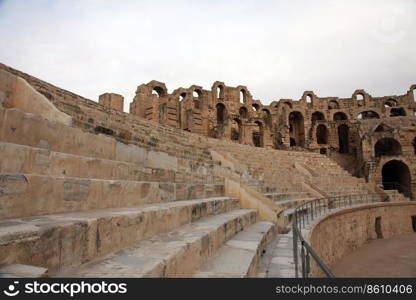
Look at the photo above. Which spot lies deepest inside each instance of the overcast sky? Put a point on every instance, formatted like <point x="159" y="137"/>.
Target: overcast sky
<point x="277" y="48"/>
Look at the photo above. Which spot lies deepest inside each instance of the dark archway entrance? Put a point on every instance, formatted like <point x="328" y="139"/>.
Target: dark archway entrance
<point x="297" y="128"/>
<point x="258" y="135"/>
<point x="396" y="175"/>
<point x="221" y="113"/>
<point x="387" y="147"/>
<point x="321" y="135"/>
<point x="343" y="138"/>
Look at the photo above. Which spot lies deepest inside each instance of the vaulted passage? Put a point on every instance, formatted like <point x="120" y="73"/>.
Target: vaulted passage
<point x="297" y="128"/>
<point x="321" y="135"/>
<point x="221" y="113"/>
<point x="343" y="138"/>
<point x="387" y="147"/>
<point x="396" y="176"/>
<point x="236" y="130"/>
<point x="258" y="135"/>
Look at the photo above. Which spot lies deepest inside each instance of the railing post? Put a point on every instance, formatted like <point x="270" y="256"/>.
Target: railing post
<point x="308" y="264"/>
<point x="295" y="245"/>
<point x="302" y="255"/>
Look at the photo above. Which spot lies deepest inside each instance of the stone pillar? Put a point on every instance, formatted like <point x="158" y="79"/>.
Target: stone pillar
<point x="111" y="100"/>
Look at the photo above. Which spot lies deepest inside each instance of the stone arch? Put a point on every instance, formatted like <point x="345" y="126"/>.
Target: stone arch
<point x="397" y="112"/>
<point x="297" y="127"/>
<point x="278" y="141"/>
<point x="267" y="117"/>
<point x="318" y="116"/>
<point x="221" y="113"/>
<point x="243" y="112"/>
<point x="197" y="98"/>
<point x="158" y="91"/>
<point x="414" y="145"/>
<point x="368" y="114"/>
<point x="333" y="104"/>
<point x="288" y="104"/>
<point x="256" y="107"/>
<point x="396" y="175"/>
<point x="390" y="103"/>
<point x="344" y="138"/>
<point x="243" y="96"/>
<point x="219" y="91"/>
<point x="340" y="116"/>
<point x="182" y="97"/>
<point x="236" y="131"/>
<point x="321" y="134"/>
<point x="257" y="134"/>
<point x="387" y="147"/>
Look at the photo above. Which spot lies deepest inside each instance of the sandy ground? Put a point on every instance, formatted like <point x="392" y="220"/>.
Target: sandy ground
<point x="394" y="257"/>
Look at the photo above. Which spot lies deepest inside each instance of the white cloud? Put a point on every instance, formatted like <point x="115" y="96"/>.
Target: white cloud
<point x="277" y="48"/>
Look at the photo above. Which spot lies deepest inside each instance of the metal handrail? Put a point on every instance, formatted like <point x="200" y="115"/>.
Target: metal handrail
<point x="308" y="211"/>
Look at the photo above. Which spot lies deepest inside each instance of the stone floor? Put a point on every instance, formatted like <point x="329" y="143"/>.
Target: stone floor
<point x="393" y="257"/>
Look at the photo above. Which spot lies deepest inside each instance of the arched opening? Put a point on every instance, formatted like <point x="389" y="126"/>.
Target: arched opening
<point x="267" y="117"/>
<point x="243" y="95"/>
<point x="297" y="128"/>
<point x="308" y="98"/>
<point x="258" y="135"/>
<point x="158" y="91"/>
<point x="288" y="104"/>
<point x="390" y="103"/>
<point x="318" y="116"/>
<point x="414" y="145"/>
<point x="414" y="94"/>
<point x="278" y="141"/>
<point x="243" y="112"/>
<point x="397" y="112"/>
<point x="292" y="142"/>
<point x="333" y="104"/>
<point x="256" y="107"/>
<point x="368" y="114"/>
<point x="221" y="113"/>
<point x="387" y="147"/>
<point x="220" y="92"/>
<point x="236" y="130"/>
<point x="340" y="116"/>
<point x="321" y="134"/>
<point x="182" y="97"/>
<point x="359" y="97"/>
<point x="197" y="98"/>
<point x="396" y="176"/>
<point x="343" y="138"/>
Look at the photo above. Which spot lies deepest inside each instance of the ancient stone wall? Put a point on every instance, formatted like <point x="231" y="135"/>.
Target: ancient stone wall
<point x="340" y="233"/>
<point x="346" y="129"/>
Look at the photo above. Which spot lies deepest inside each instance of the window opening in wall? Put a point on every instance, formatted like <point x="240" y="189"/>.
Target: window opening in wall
<point x="414" y="223"/>
<point x="379" y="232"/>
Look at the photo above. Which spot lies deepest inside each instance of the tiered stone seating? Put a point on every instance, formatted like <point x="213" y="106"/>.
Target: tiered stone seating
<point x="142" y="200"/>
<point x="71" y="201"/>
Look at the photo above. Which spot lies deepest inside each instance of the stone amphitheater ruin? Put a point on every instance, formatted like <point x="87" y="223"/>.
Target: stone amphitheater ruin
<point x="197" y="183"/>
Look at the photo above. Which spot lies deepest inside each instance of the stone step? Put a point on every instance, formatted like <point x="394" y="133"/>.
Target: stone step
<point x="22" y="271"/>
<point x="178" y="253"/>
<point x="282" y="265"/>
<point x="239" y="256"/>
<point x="286" y="196"/>
<point x="27" y="129"/>
<point x="60" y="241"/>
<point x="31" y="195"/>
<point x="33" y="160"/>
